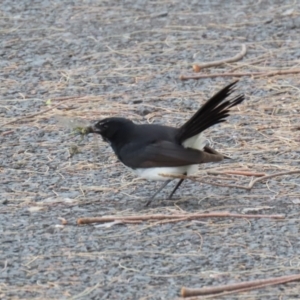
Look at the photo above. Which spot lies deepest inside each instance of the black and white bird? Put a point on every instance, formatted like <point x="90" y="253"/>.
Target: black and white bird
<point x="155" y="151"/>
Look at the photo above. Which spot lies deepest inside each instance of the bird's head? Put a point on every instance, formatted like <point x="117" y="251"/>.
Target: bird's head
<point x="110" y="128"/>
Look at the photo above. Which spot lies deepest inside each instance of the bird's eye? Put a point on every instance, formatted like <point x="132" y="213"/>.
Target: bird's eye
<point x="104" y="126"/>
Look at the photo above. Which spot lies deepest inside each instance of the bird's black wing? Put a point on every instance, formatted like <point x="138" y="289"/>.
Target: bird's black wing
<point x="163" y="154"/>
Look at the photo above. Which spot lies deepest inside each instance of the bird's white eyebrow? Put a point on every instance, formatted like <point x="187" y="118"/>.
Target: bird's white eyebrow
<point x="102" y="122"/>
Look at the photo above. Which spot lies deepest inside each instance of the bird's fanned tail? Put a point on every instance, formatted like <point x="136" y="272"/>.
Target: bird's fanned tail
<point x="214" y="111"/>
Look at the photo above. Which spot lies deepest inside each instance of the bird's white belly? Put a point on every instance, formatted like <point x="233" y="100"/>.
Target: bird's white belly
<point x="156" y="173"/>
<point x="195" y="142"/>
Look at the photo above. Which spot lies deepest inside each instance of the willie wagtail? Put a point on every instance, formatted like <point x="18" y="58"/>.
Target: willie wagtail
<point x="151" y="150"/>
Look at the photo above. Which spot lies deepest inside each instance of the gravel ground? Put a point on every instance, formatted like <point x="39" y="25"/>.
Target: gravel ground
<point x="92" y="59"/>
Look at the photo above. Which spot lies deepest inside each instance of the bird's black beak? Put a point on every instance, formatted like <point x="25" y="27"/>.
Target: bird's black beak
<point x="94" y="129"/>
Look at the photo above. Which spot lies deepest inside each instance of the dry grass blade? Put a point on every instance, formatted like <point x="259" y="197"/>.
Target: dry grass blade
<point x="40" y="112"/>
<point x="31" y="115"/>
<point x="216" y="63"/>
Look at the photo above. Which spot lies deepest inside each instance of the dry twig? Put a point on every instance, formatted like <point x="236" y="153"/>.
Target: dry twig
<point x="271" y="73"/>
<point x="243" y="173"/>
<point x="249" y="187"/>
<point x="172" y="218"/>
<point x="251" y="184"/>
<point x="238" y="287"/>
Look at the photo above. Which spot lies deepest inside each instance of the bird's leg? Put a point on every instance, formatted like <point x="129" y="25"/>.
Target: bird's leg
<point x="176" y="187"/>
<point x="159" y="190"/>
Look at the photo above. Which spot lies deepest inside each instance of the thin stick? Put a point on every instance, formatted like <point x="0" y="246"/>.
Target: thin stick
<point x="251" y="184"/>
<point x="221" y="184"/>
<point x="180" y="217"/>
<point x="66" y="98"/>
<point x="271" y="73"/>
<point x="247" y="289"/>
<point x="243" y="173"/>
<point x="187" y="292"/>
<point x="235" y="58"/>
<point x="249" y="187"/>
<point x="7" y="132"/>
